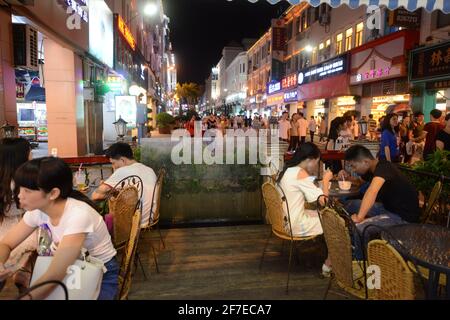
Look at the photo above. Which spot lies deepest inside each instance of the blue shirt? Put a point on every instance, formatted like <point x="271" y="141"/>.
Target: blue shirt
<point x="390" y="140"/>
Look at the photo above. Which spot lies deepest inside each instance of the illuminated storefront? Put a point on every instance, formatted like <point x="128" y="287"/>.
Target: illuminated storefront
<point x="430" y="75"/>
<point x="379" y="74"/>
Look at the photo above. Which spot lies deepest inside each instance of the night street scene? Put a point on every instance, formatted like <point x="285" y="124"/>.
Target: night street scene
<point x="220" y="158"/>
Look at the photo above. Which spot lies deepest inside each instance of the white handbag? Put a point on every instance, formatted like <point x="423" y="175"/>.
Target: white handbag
<point x="83" y="279"/>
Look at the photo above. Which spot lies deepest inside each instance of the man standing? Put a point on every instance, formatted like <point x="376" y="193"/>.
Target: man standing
<point x="302" y="128"/>
<point x="312" y="127"/>
<point x="432" y="128"/>
<point x="124" y="165"/>
<point x="284" y="127"/>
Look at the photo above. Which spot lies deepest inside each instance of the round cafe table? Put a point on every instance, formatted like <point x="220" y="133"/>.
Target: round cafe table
<point x="336" y="192"/>
<point x="426" y="245"/>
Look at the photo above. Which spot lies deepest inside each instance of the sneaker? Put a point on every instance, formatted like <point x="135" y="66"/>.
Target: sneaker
<point x="326" y="271"/>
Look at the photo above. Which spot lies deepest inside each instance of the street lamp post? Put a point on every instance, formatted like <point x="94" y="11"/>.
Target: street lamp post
<point x="8" y="131"/>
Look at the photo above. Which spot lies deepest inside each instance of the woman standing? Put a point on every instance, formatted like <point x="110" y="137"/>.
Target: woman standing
<point x="46" y="192"/>
<point x="389" y="149"/>
<point x="405" y="137"/>
<point x="294" y="133"/>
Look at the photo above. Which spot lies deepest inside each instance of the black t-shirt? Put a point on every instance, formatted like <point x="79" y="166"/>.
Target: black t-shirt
<point x="445" y="138"/>
<point x="397" y="194"/>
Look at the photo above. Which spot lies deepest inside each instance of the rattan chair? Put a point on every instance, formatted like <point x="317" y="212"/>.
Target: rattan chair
<point x="429" y="209"/>
<point x="154" y="218"/>
<point x="123" y="207"/>
<point x="348" y="274"/>
<point x="397" y="279"/>
<point x="274" y="205"/>
<point x="156" y="205"/>
<point x="125" y="273"/>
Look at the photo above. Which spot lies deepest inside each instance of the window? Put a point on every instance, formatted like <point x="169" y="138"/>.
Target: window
<point x="314" y="57"/>
<point x="315" y="15"/>
<point x="327" y="43"/>
<point x="243" y="68"/>
<point x="321" y="46"/>
<point x="289" y="31"/>
<point x="297" y="25"/>
<point x="305" y="20"/>
<point x="339" y="48"/>
<point x="359" y="34"/>
<point x="348" y="39"/>
<point x="443" y="20"/>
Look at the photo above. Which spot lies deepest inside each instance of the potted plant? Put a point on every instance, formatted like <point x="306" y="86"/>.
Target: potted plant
<point x="164" y="122"/>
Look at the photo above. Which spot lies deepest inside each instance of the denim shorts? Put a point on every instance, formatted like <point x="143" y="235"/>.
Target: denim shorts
<point x="110" y="282"/>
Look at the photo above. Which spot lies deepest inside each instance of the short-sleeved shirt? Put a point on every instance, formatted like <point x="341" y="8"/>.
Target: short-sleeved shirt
<point x="445" y="138"/>
<point x="372" y="125"/>
<point x="389" y="139"/>
<point x="78" y="217"/>
<point x="432" y="129"/>
<point x="397" y="194"/>
<point x="148" y="178"/>
<point x="302" y="127"/>
<point x="418" y="129"/>
<point x="304" y="222"/>
<point x="284" y="126"/>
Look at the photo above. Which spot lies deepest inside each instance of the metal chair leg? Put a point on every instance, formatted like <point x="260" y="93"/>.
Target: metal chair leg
<point x="154" y="258"/>
<point x="264" y="251"/>
<point x="289" y="267"/>
<point x="160" y="237"/>
<point x="328" y="288"/>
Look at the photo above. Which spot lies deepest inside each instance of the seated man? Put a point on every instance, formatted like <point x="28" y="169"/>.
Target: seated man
<point x="124" y="165"/>
<point x="390" y="198"/>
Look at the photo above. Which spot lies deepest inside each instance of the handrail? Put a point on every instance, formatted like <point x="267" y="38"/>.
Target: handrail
<point x="425" y="173"/>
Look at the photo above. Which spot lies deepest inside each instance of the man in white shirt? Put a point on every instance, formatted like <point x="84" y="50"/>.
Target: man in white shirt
<point x="285" y="126"/>
<point x="302" y="128"/>
<point x="124" y="165"/>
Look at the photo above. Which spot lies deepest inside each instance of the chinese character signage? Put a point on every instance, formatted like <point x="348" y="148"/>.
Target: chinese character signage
<point x="332" y="67"/>
<point x="289" y="81"/>
<point x="291" y="96"/>
<point x="125" y="32"/>
<point x="278" y="39"/>
<point x="430" y="62"/>
<point x="404" y="18"/>
<point x="273" y="87"/>
<point x="444" y="84"/>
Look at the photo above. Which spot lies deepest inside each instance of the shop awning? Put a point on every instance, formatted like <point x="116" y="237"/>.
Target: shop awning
<point x="410" y="5"/>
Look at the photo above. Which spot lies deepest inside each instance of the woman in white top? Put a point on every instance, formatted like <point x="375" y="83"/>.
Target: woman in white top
<point x="13" y="153"/>
<point x="297" y="184"/>
<point x="46" y="192"/>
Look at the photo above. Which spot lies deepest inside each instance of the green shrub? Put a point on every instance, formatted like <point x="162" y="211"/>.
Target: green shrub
<point x="163" y="120"/>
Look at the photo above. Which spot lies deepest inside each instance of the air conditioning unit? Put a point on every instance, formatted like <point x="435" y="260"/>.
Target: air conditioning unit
<point x="25" y="46"/>
<point x="324" y="19"/>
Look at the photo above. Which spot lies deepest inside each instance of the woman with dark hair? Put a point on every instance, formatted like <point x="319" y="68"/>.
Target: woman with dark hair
<point x="13" y="153"/>
<point x="297" y="184"/>
<point x="46" y="192"/>
<point x="389" y="146"/>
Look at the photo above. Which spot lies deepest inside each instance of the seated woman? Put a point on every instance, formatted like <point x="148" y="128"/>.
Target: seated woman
<point x="46" y="192"/>
<point x="13" y="153"/>
<point x="297" y="183"/>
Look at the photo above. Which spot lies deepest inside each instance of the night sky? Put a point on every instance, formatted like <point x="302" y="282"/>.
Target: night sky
<point x="201" y="28"/>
